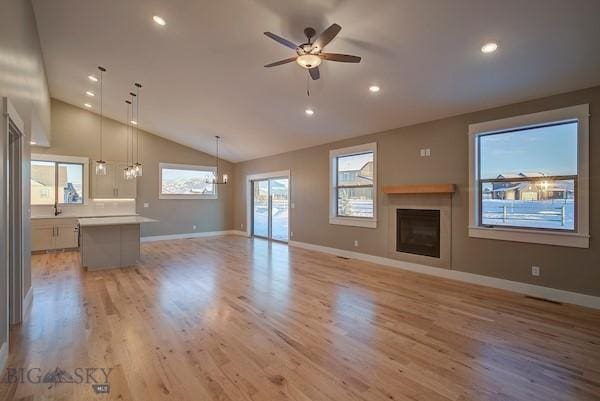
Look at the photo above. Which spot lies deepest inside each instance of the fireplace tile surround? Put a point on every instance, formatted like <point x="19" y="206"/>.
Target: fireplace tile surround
<point x="441" y="202"/>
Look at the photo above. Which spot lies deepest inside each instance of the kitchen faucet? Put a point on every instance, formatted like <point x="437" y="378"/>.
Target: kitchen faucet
<point x="56" y="210"/>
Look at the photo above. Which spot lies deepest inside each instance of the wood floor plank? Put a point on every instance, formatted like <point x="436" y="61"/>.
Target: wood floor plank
<point x="232" y="318"/>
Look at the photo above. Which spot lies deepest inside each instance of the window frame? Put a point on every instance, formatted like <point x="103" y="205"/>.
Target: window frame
<point x="190" y="167"/>
<point x="60" y="159"/>
<point x="579" y="236"/>
<point x="334" y="217"/>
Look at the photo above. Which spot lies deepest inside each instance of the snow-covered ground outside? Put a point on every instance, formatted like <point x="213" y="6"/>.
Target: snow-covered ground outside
<point x="554" y="214"/>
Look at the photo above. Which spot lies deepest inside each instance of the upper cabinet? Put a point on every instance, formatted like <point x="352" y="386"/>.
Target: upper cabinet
<point x="113" y="185"/>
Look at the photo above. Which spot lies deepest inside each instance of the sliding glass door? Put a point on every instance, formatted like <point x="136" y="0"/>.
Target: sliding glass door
<point x="270" y="208"/>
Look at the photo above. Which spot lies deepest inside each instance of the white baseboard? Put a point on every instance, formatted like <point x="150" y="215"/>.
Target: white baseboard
<point x="190" y="235"/>
<point x="514" y="286"/>
<point x="27" y="301"/>
<point x="3" y="355"/>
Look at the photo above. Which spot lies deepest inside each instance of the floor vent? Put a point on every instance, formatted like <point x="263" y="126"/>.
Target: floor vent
<point x="543" y="300"/>
<point x="343" y="257"/>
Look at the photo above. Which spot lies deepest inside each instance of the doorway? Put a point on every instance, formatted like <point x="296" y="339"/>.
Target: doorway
<point x="269" y="210"/>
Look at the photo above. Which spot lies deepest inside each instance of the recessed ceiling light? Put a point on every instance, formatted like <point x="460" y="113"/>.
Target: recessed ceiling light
<point x="90" y="93"/>
<point x="92" y="78"/>
<point x="159" y="20"/>
<point x="309" y="112"/>
<point x="489" y="47"/>
<point x="374" y="88"/>
<point x="133" y="122"/>
<point x="89" y="106"/>
<point x="32" y="142"/>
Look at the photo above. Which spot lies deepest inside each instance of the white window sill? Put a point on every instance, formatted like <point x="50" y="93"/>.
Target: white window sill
<point x="356" y="222"/>
<point x="569" y="239"/>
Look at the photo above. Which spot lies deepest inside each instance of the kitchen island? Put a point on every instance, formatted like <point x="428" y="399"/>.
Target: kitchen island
<point x="110" y="242"/>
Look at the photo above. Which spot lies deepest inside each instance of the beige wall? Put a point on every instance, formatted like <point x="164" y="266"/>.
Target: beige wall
<point x="399" y="162"/>
<point x="23" y="81"/>
<point x="75" y="132"/>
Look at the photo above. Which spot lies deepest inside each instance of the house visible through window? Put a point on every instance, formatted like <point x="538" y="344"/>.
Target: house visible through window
<point x="353" y="193"/>
<point x="527" y="177"/>
<point x="178" y="181"/>
<point x="355" y="185"/>
<point x="56" y="182"/>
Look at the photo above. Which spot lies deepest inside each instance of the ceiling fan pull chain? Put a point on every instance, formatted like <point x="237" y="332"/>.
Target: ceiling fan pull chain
<point x="307" y="86"/>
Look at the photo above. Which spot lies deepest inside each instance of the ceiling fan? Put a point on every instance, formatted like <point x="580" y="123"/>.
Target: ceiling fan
<point x="310" y="54"/>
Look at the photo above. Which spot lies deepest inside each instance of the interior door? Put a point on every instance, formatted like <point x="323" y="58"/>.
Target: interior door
<point x="260" y="208"/>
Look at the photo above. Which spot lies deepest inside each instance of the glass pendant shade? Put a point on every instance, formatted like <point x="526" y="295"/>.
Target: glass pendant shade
<point x="225" y="178"/>
<point x="100" y="167"/>
<point x="137" y="169"/>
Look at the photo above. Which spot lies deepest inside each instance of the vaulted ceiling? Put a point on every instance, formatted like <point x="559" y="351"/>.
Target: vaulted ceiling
<point x="203" y="72"/>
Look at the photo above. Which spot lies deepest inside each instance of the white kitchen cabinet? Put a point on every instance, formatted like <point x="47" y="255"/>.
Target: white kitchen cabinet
<point x="113" y="185"/>
<point x="49" y="234"/>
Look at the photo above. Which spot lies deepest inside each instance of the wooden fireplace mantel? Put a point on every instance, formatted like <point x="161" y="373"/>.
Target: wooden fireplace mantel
<point x="420" y="189"/>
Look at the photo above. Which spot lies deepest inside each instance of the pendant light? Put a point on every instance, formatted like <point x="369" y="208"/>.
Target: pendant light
<point x="126" y="173"/>
<point x="101" y="164"/>
<point x="129" y="173"/>
<point x="137" y="167"/>
<point x="215" y="179"/>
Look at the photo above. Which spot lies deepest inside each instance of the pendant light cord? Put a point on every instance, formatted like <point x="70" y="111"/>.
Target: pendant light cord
<point x="127" y="103"/>
<point x="101" y="111"/>
<point x="137" y="127"/>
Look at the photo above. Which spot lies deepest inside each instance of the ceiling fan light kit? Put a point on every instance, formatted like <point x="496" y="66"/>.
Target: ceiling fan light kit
<point x="310" y="54"/>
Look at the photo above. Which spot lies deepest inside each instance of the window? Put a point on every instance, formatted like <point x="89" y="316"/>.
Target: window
<point x="529" y="178"/>
<point x="57" y="179"/>
<point x="353" y="191"/>
<point x="181" y="181"/>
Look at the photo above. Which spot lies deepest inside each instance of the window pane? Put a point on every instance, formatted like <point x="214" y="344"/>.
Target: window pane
<point x="355" y="170"/>
<point x="533" y="152"/>
<point x="355" y="202"/>
<point x="42" y="183"/>
<point x="187" y="182"/>
<point x="534" y="204"/>
<point x="70" y="183"/>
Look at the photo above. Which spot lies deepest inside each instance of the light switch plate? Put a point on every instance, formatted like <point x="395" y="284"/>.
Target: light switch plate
<point x="146" y="205"/>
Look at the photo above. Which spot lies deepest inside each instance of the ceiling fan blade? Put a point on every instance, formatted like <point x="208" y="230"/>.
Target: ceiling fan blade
<point x="280" y="62"/>
<point x="343" y="58"/>
<point x="281" y="40"/>
<point x="327" y="36"/>
<point x="314" y="73"/>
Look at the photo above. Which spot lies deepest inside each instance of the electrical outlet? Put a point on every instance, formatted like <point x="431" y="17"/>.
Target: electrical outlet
<point x="194" y="227"/>
<point x="427" y="152"/>
<point x="355" y="242"/>
<point x="291" y="233"/>
<point x="146" y="204"/>
<point x="422" y="152"/>
<point x="535" y="271"/>
<point x="293" y="205"/>
<point x="242" y="225"/>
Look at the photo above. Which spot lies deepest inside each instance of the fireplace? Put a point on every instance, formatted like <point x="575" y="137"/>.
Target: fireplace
<point x="418" y="232"/>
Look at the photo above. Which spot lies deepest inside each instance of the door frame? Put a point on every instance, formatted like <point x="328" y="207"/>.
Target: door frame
<point x="11" y="275"/>
<point x="249" y="198"/>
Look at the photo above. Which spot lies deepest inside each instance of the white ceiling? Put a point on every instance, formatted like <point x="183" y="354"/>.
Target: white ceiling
<point x="203" y="73"/>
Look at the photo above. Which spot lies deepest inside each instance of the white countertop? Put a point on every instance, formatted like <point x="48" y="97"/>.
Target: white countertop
<point x="79" y="216"/>
<point x="114" y="221"/>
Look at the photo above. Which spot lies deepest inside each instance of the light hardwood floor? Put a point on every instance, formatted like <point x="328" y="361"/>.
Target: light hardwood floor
<point x="239" y="319"/>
